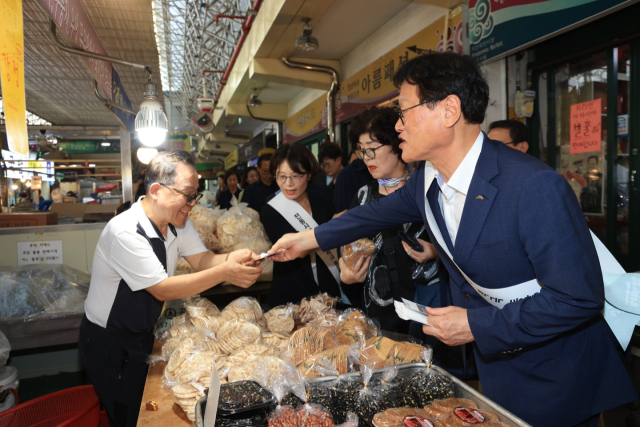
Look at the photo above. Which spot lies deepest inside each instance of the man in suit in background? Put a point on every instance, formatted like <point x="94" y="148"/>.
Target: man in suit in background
<point x="512" y="133"/>
<point x="524" y="272"/>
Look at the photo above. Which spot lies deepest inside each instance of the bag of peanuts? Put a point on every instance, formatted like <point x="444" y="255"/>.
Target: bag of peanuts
<point x="284" y="384"/>
<point x="311" y="415"/>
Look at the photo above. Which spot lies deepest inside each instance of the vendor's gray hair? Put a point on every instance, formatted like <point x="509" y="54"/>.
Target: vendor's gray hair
<point x="162" y="168"/>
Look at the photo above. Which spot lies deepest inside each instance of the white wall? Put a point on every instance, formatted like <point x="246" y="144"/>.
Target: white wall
<point x="496" y="75"/>
<point x="413" y="19"/>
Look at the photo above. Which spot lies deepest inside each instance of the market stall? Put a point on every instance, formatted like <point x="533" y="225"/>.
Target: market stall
<point x="297" y="355"/>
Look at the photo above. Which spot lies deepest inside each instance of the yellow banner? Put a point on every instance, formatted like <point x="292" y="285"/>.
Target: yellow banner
<point x="309" y="120"/>
<point x="373" y="84"/>
<point x="12" y="70"/>
<point x="231" y="160"/>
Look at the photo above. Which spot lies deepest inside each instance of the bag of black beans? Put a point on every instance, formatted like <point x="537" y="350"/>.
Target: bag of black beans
<point x="387" y="385"/>
<point x="367" y="399"/>
<point x="428" y="385"/>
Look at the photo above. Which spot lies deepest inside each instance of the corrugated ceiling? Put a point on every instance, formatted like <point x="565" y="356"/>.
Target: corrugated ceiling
<point x="59" y="87"/>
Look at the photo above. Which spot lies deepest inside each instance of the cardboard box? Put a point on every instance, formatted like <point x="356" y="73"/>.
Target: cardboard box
<point x="28" y="219"/>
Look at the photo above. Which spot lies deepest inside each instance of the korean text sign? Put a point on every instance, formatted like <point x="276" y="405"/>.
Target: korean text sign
<point x="12" y="69"/>
<point x="586" y="127"/>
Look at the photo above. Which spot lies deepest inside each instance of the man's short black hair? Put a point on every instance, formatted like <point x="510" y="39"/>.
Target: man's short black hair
<point x="300" y="159"/>
<point x="379" y="123"/>
<point x="517" y="130"/>
<point x="264" y="158"/>
<point x="440" y="74"/>
<point x="329" y="150"/>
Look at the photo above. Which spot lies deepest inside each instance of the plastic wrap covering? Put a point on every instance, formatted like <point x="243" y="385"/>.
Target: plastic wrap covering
<point x="46" y="291"/>
<point x="427" y="385"/>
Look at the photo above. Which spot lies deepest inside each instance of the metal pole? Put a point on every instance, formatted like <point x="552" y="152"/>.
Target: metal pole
<point x="125" y="156"/>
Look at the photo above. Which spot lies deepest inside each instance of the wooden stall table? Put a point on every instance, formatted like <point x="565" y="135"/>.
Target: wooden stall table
<point x="168" y="414"/>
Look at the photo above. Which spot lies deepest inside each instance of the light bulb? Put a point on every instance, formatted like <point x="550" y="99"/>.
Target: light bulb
<point x="28" y="183"/>
<point x="14" y="187"/>
<point x="151" y="123"/>
<point x="23" y="179"/>
<point x="152" y="137"/>
<point x="146" y="154"/>
<point x="199" y="176"/>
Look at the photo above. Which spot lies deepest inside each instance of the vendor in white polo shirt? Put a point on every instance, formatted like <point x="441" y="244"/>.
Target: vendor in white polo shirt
<point x="132" y="275"/>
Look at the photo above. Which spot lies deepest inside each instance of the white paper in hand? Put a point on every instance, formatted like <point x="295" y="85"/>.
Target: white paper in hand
<point x="212" y="398"/>
<point x="409" y="310"/>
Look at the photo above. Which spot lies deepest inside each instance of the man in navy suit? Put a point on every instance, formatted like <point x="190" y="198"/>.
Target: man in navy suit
<point x="524" y="273"/>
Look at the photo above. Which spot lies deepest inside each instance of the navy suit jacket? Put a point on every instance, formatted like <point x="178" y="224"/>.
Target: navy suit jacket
<point x="550" y="358"/>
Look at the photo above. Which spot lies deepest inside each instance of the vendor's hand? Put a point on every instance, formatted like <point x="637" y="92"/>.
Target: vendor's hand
<point x="428" y="252"/>
<point x="294" y="245"/>
<point x="359" y="272"/>
<point x="449" y="324"/>
<point x="244" y="256"/>
<point x="236" y="273"/>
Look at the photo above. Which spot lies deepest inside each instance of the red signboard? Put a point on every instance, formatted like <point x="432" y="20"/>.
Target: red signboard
<point x="71" y="18"/>
<point x="586" y="127"/>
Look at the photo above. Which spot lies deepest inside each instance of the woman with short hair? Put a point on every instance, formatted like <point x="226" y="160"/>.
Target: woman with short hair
<point x="394" y="270"/>
<point x="231" y="181"/>
<point x="300" y="204"/>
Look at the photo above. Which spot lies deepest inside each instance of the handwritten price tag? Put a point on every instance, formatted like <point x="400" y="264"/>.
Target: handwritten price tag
<point x="12" y="71"/>
<point x="586" y="127"/>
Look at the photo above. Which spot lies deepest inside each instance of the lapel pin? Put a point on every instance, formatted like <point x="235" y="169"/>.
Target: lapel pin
<point x="479" y="198"/>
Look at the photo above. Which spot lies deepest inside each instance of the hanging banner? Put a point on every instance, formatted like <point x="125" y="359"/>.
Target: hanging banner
<point x="373" y="84"/>
<point x="231" y="160"/>
<point x="178" y="141"/>
<point x="89" y="147"/>
<point x="499" y="28"/>
<point x="12" y="69"/>
<point x="586" y="127"/>
<point x="120" y="98"/>
<point x="71" y="18"/>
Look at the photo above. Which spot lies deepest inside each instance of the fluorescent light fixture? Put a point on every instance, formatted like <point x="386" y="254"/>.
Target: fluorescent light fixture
<point x="63" y="166"/>
<point x="151" y="123"/>
<point x="105" y="143"/>
<point x="146" y="154"/>
<point x="92" y="165"/>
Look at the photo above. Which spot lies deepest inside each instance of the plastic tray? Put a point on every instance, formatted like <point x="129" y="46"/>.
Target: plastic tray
<point x="233" y="409"/>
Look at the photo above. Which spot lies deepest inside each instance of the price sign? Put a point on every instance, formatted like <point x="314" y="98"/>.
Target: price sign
<point x="586" y="127"/>
<point x="36" y="182"/>
<point x="49" y="252"/>
<point x="12" y="69"/>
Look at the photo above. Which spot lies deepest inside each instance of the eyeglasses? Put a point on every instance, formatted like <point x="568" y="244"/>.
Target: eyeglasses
<point x="402" y="111"/>
<point x="294" y="178"/>
<point x="325" y="166"/>
<point x="369" y="152"/>
<point x="190" y="197"/>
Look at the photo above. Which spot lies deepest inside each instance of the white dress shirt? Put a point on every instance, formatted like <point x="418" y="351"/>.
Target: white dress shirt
<point x="453" y="193"/>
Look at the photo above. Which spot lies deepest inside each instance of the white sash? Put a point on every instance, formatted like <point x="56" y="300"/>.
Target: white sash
<point x="300" y="220"/>
<point x="503" y="296"/>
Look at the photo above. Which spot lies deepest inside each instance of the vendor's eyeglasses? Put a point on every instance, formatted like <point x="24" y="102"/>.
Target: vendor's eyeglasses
<point x="190" y="197"/>
<point x="369" y="152"/>
<point x="294" y="178"/>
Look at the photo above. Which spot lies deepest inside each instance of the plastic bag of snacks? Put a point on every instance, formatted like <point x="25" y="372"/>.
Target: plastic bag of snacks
<point x="389" y="387"/>
<point x="394" y="417"/>
<point x="404" y="352"/>
<point x="367" y="399"/>
<point x="427" y="385"/>
<point x="355" y="328"/>
<point x="280" y="319"/>
<point x="352" y="252"/>
<point x="311" y="415"/>
<point x="284" y="414"/>
<point x="314" y="366"/>
<point x="314" y="307"/>
<point x="376" y="351"/>
<point x="309" y="341"/>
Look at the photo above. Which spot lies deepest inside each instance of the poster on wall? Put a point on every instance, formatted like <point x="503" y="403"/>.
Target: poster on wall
<point x="497" y="28"/>
<point x="586" y="127"/>
<point x="585" y="173"/>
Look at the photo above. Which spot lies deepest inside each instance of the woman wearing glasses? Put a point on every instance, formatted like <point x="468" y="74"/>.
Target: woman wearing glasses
<point x="395" y="270"/>
<point x="299" y="205"/>
<point x="231" y="180"/>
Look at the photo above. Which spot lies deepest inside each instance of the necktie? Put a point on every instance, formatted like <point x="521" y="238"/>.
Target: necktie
<point x="448" y="208"/>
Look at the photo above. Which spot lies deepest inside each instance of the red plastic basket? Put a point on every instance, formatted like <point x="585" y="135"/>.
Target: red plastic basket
<point x="74" y="407"/>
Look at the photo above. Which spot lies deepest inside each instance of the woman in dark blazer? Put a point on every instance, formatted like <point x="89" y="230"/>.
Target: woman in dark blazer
<point x="231" y="180"/>
<point x="295" y="167"/>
